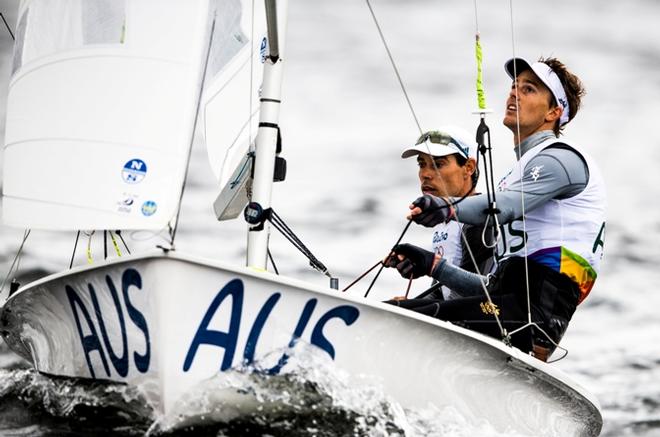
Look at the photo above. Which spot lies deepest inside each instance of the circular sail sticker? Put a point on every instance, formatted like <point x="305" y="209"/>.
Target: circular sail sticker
<point x="134" y="171"/>
<point x="149" y="208"/>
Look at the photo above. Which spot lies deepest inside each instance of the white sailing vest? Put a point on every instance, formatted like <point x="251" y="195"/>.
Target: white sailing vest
<point x="447" y="243"/>
<point x="564" y="234"/>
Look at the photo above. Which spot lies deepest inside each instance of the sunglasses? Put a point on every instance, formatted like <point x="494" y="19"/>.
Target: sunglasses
<point x="437" y="137"/>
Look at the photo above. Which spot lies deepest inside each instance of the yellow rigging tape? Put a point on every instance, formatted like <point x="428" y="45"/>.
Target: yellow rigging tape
<point x="114" y="243"/>
<point x="481" y="95"/>
<point x="90" y="260"/>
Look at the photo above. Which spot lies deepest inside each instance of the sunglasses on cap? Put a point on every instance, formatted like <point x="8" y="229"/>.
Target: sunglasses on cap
<point x="437" y="137"/>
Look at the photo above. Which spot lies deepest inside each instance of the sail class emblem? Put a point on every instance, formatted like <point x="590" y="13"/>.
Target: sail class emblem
<point x="134" y="171"/>
<point x="149" y="208"/>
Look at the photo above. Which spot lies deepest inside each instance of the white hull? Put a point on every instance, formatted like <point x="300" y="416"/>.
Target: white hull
<point x="166" y="322"/>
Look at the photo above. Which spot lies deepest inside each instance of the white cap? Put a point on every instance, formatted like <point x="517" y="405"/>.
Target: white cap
<point x="547" y="76"/>
<point x="446" y="140"/>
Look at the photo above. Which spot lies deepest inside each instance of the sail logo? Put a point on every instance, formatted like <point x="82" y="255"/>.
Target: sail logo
<point x="125" y="204"/>
<point x="134" y="171"/>
<point x="227" y="340"/>
<point x="149" y="208"/>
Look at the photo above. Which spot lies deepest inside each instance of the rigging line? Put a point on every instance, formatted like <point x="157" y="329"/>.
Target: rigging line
<point x="520" y="169"/>
<point x="114" y="243"/>
<point x="382" y="264"/>
<point x="362" y="276"/>
<point x="7" y="26"/>
<point x="174" y="228"/>
<point x="90" y="260"/>
<point x="476" y="16"/>
<point x="396" y="70"/>
<point x="529" y="323"/>
<point x="26" y="234"/>
<point x="279" y="224"/>
<point x="75" y="246"/>
<point x="272" y="261"/>
<point x="118" y="232"/>
<point x="405" y="93"/>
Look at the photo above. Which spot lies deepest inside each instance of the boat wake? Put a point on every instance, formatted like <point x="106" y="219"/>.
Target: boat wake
<point x="309" y="396"/>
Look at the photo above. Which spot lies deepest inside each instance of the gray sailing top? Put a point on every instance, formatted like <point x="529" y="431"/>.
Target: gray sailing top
<point x="565" y="175"/>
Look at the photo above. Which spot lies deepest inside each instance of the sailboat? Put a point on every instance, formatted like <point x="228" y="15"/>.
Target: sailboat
<point x="103" y="105"/>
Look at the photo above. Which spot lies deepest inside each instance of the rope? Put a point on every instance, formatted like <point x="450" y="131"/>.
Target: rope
<point x="481" y="95"/>
<point x="279" y="224"/>
<point x="362" y="275"/>
<point x="272" y="261"/>
<point x="520" y="170"/>
<point x="14" y="263"/>
<point x="118" y="232"/>
<point x="382" y="265"/>
<point x="90" y="260"/>
<point x="529" y="323"/>
<point x="396" y="70"/>
<point x="105" y="244"/>
<point x="7" y="26"/>
<point x="114" y="244"/>
<point x="75" y="245"/>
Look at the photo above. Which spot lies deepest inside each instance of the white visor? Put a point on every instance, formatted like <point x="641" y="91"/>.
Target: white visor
<point x="446" y="140"/>
<point x="547" y="76"/>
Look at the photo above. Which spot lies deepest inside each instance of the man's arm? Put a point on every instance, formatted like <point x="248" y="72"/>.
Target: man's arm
<point x="555" y="173"/>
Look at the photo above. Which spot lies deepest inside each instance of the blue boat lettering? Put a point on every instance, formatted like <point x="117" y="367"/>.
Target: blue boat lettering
<point x="225" y="340"/>
<point x="228" y="340"/>
<point x="347" y="313"/>
<point x="90" y="339"/>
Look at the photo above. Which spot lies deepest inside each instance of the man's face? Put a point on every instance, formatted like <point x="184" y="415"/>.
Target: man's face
<point x="449" y="180"/>
<point x="533" y="108"/>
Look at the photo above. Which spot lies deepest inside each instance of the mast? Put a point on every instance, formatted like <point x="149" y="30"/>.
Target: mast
<point x="266" y="141"/>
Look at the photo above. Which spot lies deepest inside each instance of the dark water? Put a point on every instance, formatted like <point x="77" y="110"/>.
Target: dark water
<point x="345" y="122"/>
<point x="309" y="402"/>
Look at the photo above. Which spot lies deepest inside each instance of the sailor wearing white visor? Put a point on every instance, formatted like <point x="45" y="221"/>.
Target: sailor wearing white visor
<point x="447" y="161"/>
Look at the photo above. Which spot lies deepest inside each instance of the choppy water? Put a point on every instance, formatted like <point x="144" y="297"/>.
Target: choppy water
<point x="344" y="123"/>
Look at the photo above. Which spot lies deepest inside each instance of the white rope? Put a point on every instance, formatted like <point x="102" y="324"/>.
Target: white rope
<point x="396" y="70"/>
<point x="529" y="323"/>
<point x="520" y="169"/>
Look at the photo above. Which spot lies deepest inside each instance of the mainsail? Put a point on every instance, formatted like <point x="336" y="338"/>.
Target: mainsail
<point x="101" y="111"/>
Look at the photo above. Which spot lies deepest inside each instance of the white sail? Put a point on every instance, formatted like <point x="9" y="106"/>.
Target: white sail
<point x="101" y="111"/>
<point x="230" y="103"/>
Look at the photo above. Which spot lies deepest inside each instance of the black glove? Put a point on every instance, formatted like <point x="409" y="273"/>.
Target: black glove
<point x="434" y="210"/>
<point x="416" y="262"/>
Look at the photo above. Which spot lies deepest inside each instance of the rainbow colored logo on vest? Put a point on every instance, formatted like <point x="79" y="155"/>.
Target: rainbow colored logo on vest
<point x="569" y="263"/>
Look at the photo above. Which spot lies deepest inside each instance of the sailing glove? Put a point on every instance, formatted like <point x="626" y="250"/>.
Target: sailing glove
<point x="416" y="262"/>
<point x="435" y="210"/>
